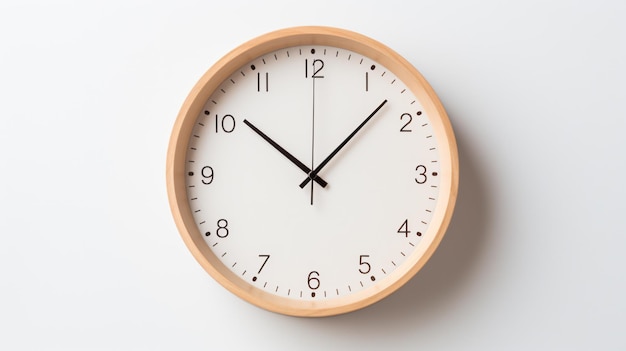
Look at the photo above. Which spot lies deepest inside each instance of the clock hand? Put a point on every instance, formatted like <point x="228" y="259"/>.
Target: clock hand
<point x="313" y="134"/>
<point x="285" y="153"/>
<point x="313" y="174"/>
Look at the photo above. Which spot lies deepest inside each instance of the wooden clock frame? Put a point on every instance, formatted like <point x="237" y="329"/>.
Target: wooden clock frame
<point x="211" y="80"/>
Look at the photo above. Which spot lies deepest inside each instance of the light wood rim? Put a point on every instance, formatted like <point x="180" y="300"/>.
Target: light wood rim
<point x="264" y="44"/>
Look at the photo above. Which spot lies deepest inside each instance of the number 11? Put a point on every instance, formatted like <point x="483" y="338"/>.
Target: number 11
<point x="258" y="81"/>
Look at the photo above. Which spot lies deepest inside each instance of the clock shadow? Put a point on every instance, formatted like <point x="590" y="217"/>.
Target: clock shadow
<point x="444" y="278"/>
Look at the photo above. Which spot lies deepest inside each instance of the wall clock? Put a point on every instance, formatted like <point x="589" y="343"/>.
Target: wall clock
<point x="312" y="171"/>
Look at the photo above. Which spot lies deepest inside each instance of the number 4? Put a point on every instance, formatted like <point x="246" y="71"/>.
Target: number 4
<point x="404" y="228"/>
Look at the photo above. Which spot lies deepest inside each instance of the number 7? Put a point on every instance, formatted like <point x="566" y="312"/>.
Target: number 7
<point x="267" y="257"/>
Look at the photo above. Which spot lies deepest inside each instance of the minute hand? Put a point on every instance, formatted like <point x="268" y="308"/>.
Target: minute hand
<point x="313" y="174"/>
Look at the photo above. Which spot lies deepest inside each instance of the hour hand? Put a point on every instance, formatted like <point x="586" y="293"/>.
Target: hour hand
<point x="285" y="153"/>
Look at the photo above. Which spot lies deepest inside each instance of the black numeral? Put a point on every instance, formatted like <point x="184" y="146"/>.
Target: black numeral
<point x="259" y="82"/>
<point x="403" y="129"/>
<point x="317" y="67"/>
<point x="267" y="257"/>
<point x="313" y="280"/>
<point x="207" y="174"/>
<point x="421" y="169"/>
<point x="404" y="228"/>
<point x="367" y="81"/>
<point x="222" y="228"/>
<point x="364" y="266"/>
<point x="227" y="124"/>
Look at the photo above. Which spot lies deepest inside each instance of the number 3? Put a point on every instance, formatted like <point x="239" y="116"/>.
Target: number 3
<point x="423" y="178"/>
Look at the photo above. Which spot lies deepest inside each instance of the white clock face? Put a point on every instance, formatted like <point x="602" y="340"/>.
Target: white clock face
<point x="292" y="115"/>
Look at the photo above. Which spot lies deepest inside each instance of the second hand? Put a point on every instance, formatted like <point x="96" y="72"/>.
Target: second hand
<point x="313" y="137"/>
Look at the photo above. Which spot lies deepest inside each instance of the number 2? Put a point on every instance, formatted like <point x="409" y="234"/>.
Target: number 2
<point x="407" y="123"/>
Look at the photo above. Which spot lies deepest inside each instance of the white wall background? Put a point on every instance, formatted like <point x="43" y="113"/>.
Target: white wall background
<point x="534" y="258"/>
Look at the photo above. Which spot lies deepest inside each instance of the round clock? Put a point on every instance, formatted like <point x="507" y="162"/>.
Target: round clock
<point x="312" y="171"/>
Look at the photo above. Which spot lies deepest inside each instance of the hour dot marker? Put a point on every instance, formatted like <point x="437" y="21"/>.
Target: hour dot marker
<point x="419" y="113"/>
<point x="373" y="278"/>
<point x="207" y="233"/>
<point x="313" y="294"/>
<point x="435" y="174"/>
<point x="253" y="67"/>
<point x="373" y="67"/>
<point x="206" y="112"/>
<point x="254" y="279"/>
<point x="312" y="51"/>
<point x="190" y="173"/>
<point x="419" y="233"/>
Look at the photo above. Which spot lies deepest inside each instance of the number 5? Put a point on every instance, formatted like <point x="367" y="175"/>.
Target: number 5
<point x="365" y="266"/>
